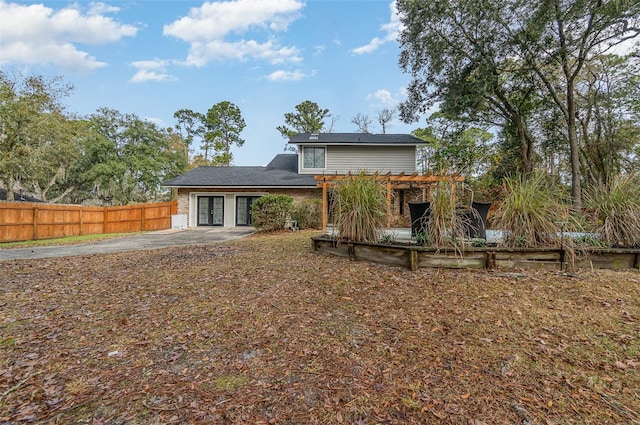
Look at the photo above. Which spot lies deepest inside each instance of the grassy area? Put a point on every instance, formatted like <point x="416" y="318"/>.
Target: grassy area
<point x="71" y="240"/>
<point x="263" y="330"/>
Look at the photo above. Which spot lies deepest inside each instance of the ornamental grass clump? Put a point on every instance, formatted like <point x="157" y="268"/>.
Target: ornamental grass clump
<point x="359" y="208"/>
<point x="446" y="226"/>
<point x="614" y="210"/>
<point x="534" y="211"/>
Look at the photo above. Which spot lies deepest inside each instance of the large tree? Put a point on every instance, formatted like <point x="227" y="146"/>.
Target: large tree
<point x="454" y="147"/>
<point x="308" y="118"/>
<point x="125" y="159"/>
<point x="32" y="119"/>
<point x="51" y="165"/>
<point x="223" y="125"/>
<point x="500" y="58"/>
<point x="190" y="126"/>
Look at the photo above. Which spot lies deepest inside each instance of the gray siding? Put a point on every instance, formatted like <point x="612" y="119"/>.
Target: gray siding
<point x="383" y="159"/>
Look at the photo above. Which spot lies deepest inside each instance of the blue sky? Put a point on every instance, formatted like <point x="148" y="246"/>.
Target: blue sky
<point x="152" y="58"/>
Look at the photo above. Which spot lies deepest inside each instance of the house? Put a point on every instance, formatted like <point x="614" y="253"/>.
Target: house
<point x="223" y="196"/>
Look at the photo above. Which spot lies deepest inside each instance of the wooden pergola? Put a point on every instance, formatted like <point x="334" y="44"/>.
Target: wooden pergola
<point x="392" y="182"/>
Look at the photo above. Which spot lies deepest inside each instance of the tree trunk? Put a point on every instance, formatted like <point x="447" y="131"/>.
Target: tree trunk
<point x="526" y="146"/>
<point x="576" y="187"/>
<point x="9" y="184"/>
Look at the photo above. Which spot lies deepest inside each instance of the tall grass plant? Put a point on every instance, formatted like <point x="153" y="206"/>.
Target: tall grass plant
<point x="533" y="211"/>
<point x="359" y="207"/>
<point x="614" y="210"/>
<point x="446" y="225"/>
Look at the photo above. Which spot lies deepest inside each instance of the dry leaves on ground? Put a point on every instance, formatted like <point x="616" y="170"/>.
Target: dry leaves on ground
<point x="263" y="330"/>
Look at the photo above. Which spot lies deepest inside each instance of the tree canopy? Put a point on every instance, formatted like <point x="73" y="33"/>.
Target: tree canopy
<point x="223" y="124"/>
<point x="500" y="62"/>
<point x="32" y="119"/>
<point x="108" y="158"/>
<point x="308" y="118"/>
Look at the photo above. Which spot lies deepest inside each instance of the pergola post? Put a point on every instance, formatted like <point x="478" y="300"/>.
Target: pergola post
<point x="388" y="203"/>
<point x="324" y="204"/>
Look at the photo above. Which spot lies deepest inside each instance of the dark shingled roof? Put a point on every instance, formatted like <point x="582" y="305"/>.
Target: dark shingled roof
<point x="18" y="197"/>
<point x="282" y="171"/>
<point x="355" y="139"/>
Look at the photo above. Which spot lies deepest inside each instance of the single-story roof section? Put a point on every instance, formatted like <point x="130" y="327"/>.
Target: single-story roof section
<point x="354" y="139"/>
<point x="282" y="171"/>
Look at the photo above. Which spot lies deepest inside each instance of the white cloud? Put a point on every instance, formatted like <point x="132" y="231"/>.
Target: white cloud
<point x="35" y="34"/>
<point x="201" y="53"/>
<point x="391" y="30"/>
<point x="101" y="9"/>
<point x="153" y="70"/>
<point x="281" y="75"/>
<point x="384" y="98"/>
<point x="216" y="29"/>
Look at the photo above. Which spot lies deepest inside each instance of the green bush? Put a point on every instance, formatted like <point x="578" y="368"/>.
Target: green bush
<point x="308" y="213"/>
<point x="359" y="208"/>
<point x="615" y="210"/>
<point x="270" y="212"/>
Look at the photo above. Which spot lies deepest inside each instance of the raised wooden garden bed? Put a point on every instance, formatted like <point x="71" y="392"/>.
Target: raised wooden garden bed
<point x="415" y="257"/>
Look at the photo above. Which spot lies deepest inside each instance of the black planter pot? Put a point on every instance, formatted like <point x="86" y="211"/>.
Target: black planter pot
<point x="477" y="220"/>
<point x="419" y="212"/>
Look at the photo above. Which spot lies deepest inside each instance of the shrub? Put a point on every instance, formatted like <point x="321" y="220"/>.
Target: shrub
<point x="308" y="212"/>
<point x="533" y="211"/>
<point x="615" y="210"/>
<point x="270" y="212"/>
<point x="359" y="207"/>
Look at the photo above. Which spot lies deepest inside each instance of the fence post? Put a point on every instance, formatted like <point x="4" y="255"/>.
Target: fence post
<point x="104" y="220"/>
<point x="81" y="221"/>
<point x="142" y="212"/>
<point x="35" y="223"/>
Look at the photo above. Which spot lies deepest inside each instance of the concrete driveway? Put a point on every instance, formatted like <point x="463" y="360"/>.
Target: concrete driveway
<point x="150" y="240"/>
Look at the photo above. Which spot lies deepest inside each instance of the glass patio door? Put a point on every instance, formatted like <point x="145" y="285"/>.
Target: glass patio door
<point x="210" y="211"/>
<point x="243" y="210"/>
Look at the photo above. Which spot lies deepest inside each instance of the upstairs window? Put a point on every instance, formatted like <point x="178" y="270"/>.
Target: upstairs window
<point x="313" y="157"/>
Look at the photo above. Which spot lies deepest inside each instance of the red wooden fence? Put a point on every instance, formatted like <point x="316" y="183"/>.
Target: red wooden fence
<point x="29" y="221"/>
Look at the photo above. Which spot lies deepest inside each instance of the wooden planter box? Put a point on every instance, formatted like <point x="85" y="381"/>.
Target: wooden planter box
<point x="415" y="257"/>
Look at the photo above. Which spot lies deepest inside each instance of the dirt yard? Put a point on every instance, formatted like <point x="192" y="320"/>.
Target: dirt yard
<point x="263" y="331"/>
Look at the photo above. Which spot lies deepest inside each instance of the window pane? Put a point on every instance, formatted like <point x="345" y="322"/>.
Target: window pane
<point x="313" y="157"/>
<point x="241" y="210"/>
<point x="203" y="210"/>
<point x="218" y="210"/>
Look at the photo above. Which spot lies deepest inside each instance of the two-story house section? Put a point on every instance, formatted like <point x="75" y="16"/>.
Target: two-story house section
<point x="223" y="196"/>
<point x="341" y="153"/>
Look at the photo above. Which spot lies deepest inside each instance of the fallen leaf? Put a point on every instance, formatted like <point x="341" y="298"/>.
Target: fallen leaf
<point x="621" y="365"/>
